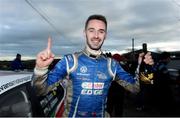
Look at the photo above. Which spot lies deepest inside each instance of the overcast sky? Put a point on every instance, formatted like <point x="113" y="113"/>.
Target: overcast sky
<point x="24" y="28"/>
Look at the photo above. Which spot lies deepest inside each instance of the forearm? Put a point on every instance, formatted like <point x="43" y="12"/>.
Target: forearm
<point x="39" y="81"/>
<point x="133" y="88"/>
<point x="129" y="82"/>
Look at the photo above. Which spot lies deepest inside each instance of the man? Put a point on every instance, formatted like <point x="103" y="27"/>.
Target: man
<point x="89" y="70"/>
<point x="163" y="82"/>
<point x="115" y="99"/>
<point x="16" y="64"/>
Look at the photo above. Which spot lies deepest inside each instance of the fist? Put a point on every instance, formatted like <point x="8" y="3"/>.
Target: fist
<point x="45" y="57"/>
<point x="147" y="58"/>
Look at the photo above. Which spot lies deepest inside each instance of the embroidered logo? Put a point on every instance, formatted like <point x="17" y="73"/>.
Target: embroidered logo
<point x="83" y="69"/>
<point x="101" y="75"/>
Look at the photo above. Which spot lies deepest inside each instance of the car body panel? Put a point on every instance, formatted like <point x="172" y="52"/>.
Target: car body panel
<point x="18" y="98"/>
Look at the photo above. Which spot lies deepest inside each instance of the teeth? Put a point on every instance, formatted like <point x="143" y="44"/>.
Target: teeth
<point x="96" y="41"/>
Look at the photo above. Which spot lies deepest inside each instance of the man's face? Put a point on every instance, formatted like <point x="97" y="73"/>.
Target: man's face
<point x="95" y="34"/>
<point x="19" y="57"/>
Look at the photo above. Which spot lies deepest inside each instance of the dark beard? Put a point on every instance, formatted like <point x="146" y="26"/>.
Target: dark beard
<point x="92" y="47"/>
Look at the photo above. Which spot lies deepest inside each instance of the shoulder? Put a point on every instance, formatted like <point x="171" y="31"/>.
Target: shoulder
<point x="72" y="61"/>
<point x="68" y="57"/>
<point x="71" y="57"/>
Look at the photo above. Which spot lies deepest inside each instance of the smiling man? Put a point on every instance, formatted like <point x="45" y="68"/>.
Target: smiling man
<point x="90" y="71"/>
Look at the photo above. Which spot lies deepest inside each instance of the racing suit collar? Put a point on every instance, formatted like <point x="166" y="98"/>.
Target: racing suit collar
<point x="91" y="53"/>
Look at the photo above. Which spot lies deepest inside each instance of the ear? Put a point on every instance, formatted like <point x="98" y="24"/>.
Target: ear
<point x="84" y="33"/>
<point x="105" y="36"/>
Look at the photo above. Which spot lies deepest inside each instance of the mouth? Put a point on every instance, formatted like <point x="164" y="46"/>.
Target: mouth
<point x="95" y="41"/>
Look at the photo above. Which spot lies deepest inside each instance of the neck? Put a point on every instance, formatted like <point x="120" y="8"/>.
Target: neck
<point x="92" y="52"/>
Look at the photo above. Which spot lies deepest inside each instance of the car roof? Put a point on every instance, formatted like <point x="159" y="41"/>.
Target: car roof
<point x="11" y="79"/>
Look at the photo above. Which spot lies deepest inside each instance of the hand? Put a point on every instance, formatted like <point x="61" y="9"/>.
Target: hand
<point x="45" y="57"/>
<point x="147" y="58"/>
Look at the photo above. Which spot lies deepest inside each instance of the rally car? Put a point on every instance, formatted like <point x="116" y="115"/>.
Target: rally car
<point x="18" y="98"/>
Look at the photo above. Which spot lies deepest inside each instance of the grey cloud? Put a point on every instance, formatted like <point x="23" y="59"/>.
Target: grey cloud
<point x="24" y="30"/>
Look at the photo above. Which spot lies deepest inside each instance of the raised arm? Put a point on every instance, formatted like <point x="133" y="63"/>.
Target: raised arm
<point x="45" y="57"/>
<point x="43" y="60"/>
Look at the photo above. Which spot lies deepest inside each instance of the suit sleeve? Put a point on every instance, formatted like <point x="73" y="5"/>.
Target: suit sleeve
<point x="126" y="80"/>
<point x="44" y="83"/>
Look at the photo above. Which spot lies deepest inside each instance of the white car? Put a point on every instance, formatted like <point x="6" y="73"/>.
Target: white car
<point x="18" y="98"/>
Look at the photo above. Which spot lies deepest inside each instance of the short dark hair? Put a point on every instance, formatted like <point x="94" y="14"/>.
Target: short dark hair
<point x="96" y="17"/>
<point x="18" y="55"/>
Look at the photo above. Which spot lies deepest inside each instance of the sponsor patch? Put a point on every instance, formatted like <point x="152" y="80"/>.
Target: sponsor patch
<point x="101" y="75"/>
<point x="87" y="85"/>
<point x="98" y="92"/>
<point x="90" y="88"/>
<point x="69" y="57"/>
<point x="98" y="85"/>
<point x="86" y="92"/>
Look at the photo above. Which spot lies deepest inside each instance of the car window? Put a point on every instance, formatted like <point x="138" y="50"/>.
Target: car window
<point x="15" y="102"/>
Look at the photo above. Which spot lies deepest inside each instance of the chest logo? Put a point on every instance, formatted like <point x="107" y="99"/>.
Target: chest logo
<point x="90" y="88"/>
<point x="83" y="69"/>
<point x="101" y="75"/>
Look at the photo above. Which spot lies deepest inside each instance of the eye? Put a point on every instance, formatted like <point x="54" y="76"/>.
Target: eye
<point x="91" y="30"/>
<point x="101" y="31"/>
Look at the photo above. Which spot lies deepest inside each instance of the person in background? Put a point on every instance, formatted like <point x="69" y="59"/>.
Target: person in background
<point x="90" y="71"/>
<point x="116" y="93"/>
<point x="16" y="64"/>
<point x="162" y="84"/>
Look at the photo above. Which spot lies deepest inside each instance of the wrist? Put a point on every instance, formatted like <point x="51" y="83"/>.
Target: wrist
<point x="40" y="71"/>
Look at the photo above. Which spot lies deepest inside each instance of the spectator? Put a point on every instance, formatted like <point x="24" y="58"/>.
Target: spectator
<point x="116" y="94"/>
<point x="162" y="84"/>
<point x="16" y="64"/>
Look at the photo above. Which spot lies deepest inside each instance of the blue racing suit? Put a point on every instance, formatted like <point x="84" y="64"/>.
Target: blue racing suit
<point x="90" y="79"/>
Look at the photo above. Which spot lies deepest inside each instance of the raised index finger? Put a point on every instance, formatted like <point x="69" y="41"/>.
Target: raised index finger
<point x="49" y="44"/>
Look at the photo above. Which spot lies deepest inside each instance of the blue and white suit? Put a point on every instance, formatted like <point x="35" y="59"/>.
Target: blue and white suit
<point x="90" y="79"/>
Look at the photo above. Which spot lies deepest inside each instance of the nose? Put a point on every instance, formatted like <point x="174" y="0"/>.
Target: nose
<point x="96" y="34"/>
